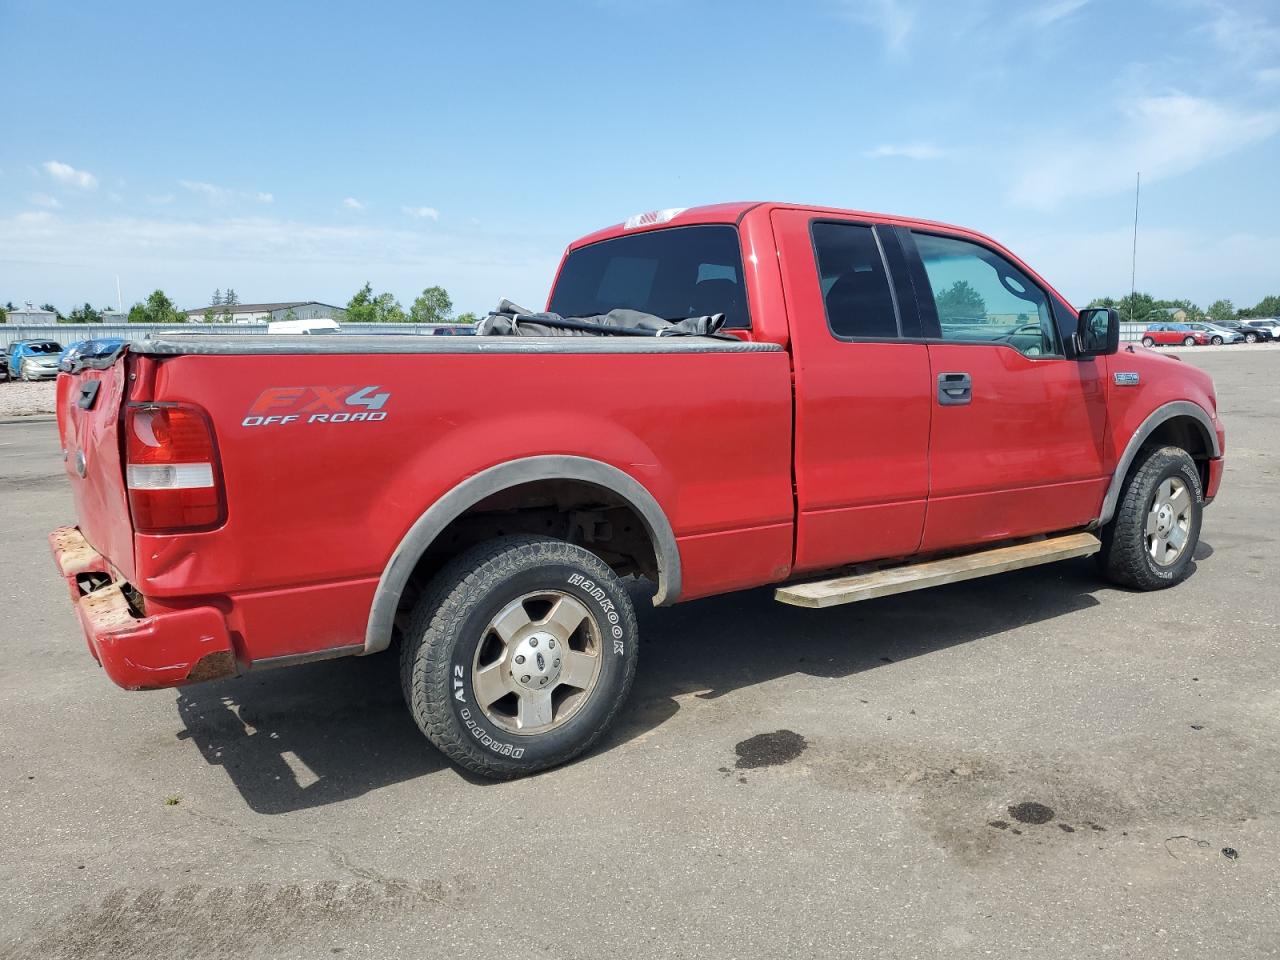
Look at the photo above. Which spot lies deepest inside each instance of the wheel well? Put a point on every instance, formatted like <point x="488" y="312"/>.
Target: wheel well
<point x="1187" y="433"/>
<point x="579" y="512"/>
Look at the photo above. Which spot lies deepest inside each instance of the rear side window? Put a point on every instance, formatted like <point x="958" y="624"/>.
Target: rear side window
<point x="674" y="273"/>
<point x="855" y="284"/>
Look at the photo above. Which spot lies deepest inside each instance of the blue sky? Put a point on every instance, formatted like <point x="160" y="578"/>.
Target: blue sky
<point x="294" y="150"/>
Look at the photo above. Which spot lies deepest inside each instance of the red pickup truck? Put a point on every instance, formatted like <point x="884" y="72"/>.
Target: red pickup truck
<point x="896" y="403"/>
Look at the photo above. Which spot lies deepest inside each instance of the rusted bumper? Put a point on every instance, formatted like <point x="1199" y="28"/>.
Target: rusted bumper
<point x="139" y="651"/>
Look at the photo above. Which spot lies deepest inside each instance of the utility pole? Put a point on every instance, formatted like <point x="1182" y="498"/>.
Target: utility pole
<point x="119" y="299"/>
<point x="1133" y="275"/>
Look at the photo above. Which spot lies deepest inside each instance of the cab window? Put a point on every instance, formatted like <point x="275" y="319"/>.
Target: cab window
<point x="983" y="298"/>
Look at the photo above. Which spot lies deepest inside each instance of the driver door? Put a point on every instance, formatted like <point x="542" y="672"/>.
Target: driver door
<point x="1016" y="441"/>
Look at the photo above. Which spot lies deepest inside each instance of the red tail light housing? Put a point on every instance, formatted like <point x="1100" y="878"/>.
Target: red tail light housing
<point x="172" y="469"/>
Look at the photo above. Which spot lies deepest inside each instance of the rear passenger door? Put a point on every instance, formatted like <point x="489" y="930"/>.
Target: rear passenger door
<point x="1017" y="438"/>
<point x="862" y="390"/>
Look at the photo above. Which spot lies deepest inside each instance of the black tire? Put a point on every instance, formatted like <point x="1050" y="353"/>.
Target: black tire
<point x="1216" y="341"/>
<point x="1124" y="558"/>
<point x="450" y="620"/>
<point x="1250" y="338"/>
<point x="1189" y="342"/>
<point x="1148" y="342"/>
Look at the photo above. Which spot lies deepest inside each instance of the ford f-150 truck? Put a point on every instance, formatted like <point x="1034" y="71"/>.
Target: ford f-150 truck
<point x="891" y="403"/>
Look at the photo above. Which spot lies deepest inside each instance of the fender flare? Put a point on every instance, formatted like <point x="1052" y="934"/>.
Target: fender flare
<point x="386" y="598"/>
<point x="1162" y="414"/>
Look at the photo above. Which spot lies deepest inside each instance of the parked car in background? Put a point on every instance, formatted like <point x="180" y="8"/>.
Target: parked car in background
<point x="33" y="359"/>
<point x="83" y="349"/>
<point x="1217" y="333"/>
<point x="1250" y="334"/>
<point x="454" y="330"/>
<point x="1170" y="334"/>
<point x="1269" y="324"/>
<point x="312" y="326"/>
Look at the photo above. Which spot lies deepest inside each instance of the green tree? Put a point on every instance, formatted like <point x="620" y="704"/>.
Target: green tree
<point x="1268" y="306"/>
<point x="217" y="298"/>
<point x="4" y="314"/>
<point x="961" y="301"/>
<point x="364" y="307"/>
<point x="210" y="316"/>
<point x="433" y="306"/>
<point x="85" y="314"/>
<point x="1221" y="310"/>
<point x="158" y="309"/>
<point x="55" y="311"/>
<point x="467" y="317"/>
<point x="230" y="298"/>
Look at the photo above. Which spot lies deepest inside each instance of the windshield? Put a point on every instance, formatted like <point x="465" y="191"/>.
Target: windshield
<point x="673" y="273"/>
<point x="47" y="346"/>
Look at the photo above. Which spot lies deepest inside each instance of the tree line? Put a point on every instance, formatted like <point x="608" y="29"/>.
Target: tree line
<point x="1144" y="308"/>
<point x="433" y="305"/>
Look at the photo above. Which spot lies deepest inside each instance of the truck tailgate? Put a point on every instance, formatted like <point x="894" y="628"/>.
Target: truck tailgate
<point x="89" y="406"/>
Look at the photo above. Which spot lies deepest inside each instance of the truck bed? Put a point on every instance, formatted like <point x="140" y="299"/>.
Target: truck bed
<point x="219" y="344"/>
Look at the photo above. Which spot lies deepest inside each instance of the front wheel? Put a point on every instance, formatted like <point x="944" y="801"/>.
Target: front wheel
<point x="1250" y="338"/>
<point x="1148" y="342"/>
<point x="1151" y="540"/>
<point x="1189" y="342"/>
<point x="1216" y="341"/>
<point x="519" y="655"/>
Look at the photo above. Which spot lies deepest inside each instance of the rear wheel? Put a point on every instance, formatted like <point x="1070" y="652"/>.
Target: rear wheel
<point x="1150" y="543"/>
<point x="1148" y="342"/>
<point x="519" y="655"/>
<point x="1216" y="341"/>
<point x="1189" y="342"/>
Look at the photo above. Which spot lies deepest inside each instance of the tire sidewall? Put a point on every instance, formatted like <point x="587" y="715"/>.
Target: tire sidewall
<point x="601" y="593"/>
<point x="1189" y="342"/>
<point x="1185" y="470"/>
<point x="1148" y="342"/>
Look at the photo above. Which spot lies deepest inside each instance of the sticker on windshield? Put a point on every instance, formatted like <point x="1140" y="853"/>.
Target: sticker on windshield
<point x="278" y="406"/>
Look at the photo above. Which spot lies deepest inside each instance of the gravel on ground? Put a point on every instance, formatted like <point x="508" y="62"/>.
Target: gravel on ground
<point x="21" y="399"/>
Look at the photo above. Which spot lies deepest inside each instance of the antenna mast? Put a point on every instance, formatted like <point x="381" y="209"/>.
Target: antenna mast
<point x="1133" y="275"/>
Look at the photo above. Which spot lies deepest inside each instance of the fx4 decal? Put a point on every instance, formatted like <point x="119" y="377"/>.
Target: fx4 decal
<point x="345" y="404"/>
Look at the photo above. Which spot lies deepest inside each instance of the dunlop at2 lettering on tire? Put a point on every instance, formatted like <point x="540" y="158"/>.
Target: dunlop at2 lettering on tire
<point x="519" y="655"/>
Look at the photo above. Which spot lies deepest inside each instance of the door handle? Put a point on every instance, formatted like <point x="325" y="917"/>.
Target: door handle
<point x="954" y="389"/>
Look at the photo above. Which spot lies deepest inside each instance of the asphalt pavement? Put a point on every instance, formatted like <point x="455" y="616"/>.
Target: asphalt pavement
<point x="1034" y="764"/>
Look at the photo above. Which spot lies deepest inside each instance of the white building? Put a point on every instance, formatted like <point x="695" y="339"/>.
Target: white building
<point x="267" y="312"/>
<point x="30" y="316"/>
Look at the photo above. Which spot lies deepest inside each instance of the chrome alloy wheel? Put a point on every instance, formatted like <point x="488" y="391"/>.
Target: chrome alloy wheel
<point x="537" y="663"/>
<point x="1169" y="521"/>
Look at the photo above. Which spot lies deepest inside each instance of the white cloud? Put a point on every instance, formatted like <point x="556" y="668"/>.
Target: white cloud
<point x="1241" y="36"/>
<point x="351" y="203"/>
<point x="65" y="173"/>
<point x="1200" y="265"/>
<point x="1161" y="136"/>
<point x="423" y="213"/>
<point x="213" y="192"/>
<point x="893" y="18"/>
<point x="285" y="259"/>
<point x="44" y="200"/>
<point x="265" y="198"/>
<point x="1043" y="14"/>
<point x="909" y="151"/>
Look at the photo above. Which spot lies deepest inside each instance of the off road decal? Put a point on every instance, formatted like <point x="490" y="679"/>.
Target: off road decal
<point x="606" y="605"/>
<point x="278" y="406"/>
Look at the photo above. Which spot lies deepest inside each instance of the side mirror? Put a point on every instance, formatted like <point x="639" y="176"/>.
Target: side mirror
<point x="1097" y="332"/>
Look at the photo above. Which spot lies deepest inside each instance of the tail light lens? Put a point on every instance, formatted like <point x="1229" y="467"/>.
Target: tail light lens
<point x="172" y="469"/>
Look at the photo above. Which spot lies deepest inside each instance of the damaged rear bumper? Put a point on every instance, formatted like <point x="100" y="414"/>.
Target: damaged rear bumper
<point x="139" y="650"/>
